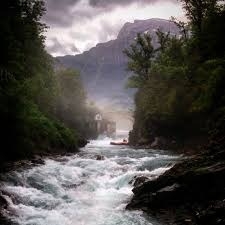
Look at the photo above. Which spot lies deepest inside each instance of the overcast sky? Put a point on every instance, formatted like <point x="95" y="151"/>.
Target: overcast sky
<point x="78" y="25"/>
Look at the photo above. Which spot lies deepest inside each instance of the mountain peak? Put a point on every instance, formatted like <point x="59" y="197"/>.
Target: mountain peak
<point x="140" y="26"/>
<point x="103" y="68"/>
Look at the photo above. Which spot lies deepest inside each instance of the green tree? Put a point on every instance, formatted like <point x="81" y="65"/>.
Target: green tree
<point x="197" y="11"/>
<point x="141" y="55"/>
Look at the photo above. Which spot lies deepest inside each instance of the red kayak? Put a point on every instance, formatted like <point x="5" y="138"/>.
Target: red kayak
<point x="119" y="143"/>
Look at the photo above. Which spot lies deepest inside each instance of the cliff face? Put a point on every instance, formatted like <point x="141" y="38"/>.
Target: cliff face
<point x="192" y="192"/>
<point x="103" y="68"/>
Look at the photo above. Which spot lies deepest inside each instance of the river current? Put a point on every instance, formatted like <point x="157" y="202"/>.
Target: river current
<point x="81" y="190"/>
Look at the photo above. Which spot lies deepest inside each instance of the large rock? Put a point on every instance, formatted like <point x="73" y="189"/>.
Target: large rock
<point x="192" y="192"/>
<point x="3" y="202"/>
<point x="100" y="157"/>
<point x="3" y="205"/>
<point x="138" y="180"/>
<point x="82" y="142"/>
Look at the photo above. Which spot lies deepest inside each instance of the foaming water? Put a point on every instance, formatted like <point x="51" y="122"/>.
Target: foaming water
<point x="80" y="190"/>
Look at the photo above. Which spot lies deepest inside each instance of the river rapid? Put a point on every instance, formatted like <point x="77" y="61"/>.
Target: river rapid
<point x="81" y="190"/>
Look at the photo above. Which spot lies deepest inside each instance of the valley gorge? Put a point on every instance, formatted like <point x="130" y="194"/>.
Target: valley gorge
<point x="129" y="132"/>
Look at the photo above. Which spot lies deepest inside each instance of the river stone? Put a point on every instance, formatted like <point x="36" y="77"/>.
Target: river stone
<point x="100" y="157"/>
<point x="38" y="160"/>
<point x="137" y="181"/>
<point x="194" y="190"/>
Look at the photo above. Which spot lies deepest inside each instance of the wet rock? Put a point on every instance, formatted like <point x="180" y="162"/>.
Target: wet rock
<point x="163" y="143"/>
<point x="169" y="188"/>
<point x="3" y="202"/>
<point x="213" y="214"/>
<point x="61" y="159"/>
<point x="72" y="186"/>
<point x="143" y="142"/>
<point x="192" y="192"/>
<point x="15" y="199"/>
<point x="156" y="142"/>
<point x="138" y="180"/>
<point x="100" y="157"/>
<point x="3" y="206"/>
<point x="37" y="160"/>
<point x="4" y="221"/>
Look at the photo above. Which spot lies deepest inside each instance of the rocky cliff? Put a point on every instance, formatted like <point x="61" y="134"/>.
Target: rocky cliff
<point x="103" y="68"/>
<point x="192" y="192"/>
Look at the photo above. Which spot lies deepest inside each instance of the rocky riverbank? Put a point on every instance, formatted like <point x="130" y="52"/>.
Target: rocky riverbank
<point x="29" y="162"/>
<point x="192" y="192"/>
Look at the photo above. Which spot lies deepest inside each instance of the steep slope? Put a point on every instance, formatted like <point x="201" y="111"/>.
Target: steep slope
<point x="103" y="68"/>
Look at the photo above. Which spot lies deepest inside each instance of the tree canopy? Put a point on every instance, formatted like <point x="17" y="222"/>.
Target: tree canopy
<point x="181" y="92"/>
<point x="40" y="107"/>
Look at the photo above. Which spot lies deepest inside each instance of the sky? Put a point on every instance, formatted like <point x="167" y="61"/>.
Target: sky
<point x="78" y="25"/>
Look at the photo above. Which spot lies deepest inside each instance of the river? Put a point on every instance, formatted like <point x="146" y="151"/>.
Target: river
<point x="80" y="190"/>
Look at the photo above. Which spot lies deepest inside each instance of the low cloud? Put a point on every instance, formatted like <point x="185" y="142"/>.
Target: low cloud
<point x="108" y="31"/>
<point x="88" y="22"/>
<point x="57" y="12"/>
<point x="55" y="47"/>
<point x="63" y="13"/>
<point x="114" y="3"/>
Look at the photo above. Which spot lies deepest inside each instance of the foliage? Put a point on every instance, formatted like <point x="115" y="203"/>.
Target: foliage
<point x="182" y="89"/>
<point x="141" y="54"/>
<point x="31" y="92"/>
<point x="71" y="102"/>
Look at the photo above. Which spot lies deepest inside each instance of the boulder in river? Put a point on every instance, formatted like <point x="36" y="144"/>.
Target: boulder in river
<point x="3" y="202"/>
<point x="192" y="192"/>
<point x="82" y="142"/>
<point x="138" y="180"/>
<point x="38" y="160"/>
<point x="100" y="157"/>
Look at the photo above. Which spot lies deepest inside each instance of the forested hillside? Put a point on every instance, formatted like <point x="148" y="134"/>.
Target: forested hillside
<point x="181" y="97"/>
<point x="103" y="68"/>
<point x="36" y="102"/>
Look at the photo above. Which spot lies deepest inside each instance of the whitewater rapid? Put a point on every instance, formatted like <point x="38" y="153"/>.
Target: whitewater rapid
<point x="80" y="190"/>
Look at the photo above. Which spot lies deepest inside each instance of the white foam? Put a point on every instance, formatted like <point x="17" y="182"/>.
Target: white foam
<point x="81" y="190"/>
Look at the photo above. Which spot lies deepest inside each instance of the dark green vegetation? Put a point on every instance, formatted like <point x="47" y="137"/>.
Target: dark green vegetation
<point x="181" y="94"/>
<point x="181" y="100"/>
<point x="42" y="109"/>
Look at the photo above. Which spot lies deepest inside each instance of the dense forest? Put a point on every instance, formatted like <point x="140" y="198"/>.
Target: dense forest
<point x="43" y="107"/>
<point x="180" y="105"/>
<point x="181" y="95"/>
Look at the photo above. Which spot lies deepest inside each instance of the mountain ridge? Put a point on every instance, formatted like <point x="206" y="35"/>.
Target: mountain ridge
<point x="103" y="68"/>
